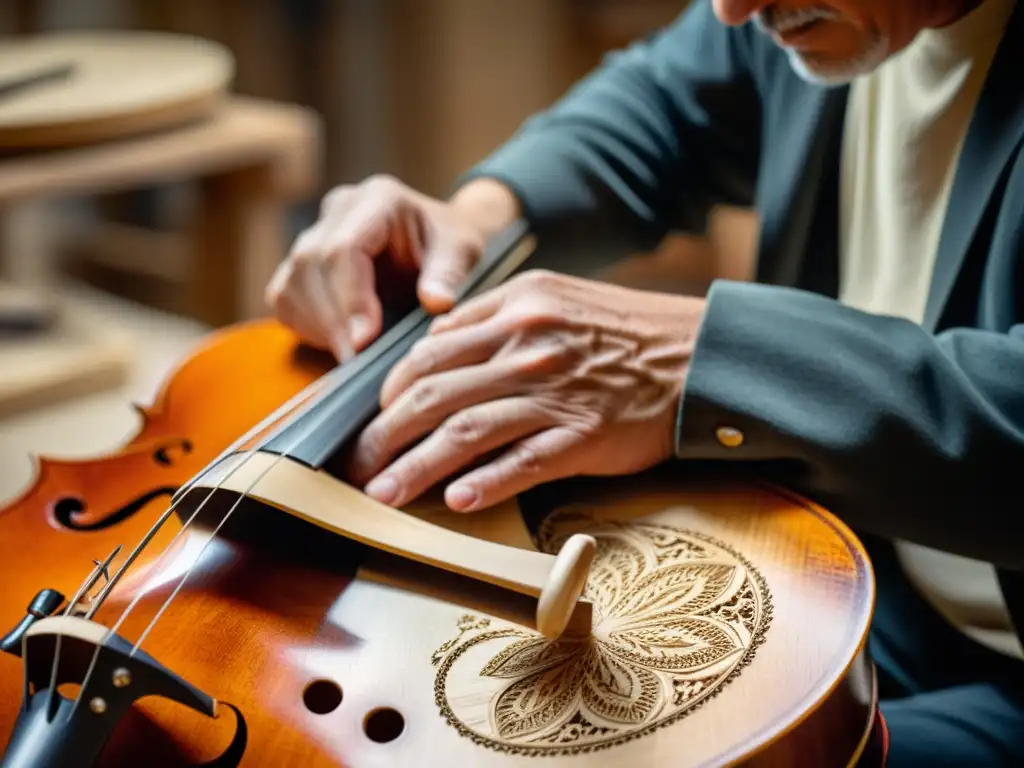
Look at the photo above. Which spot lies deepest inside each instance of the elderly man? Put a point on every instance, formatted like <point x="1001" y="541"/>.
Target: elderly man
<point x="876" y="364"/>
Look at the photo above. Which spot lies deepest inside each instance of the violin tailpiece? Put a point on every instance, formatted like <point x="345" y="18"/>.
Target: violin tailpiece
<point x="52" y="729"/>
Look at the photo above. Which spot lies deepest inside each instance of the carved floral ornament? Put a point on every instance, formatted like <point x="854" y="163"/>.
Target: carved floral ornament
<point x="676" y="617"/>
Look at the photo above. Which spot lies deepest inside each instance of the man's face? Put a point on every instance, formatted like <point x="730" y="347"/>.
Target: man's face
<point x="834" y="41"/>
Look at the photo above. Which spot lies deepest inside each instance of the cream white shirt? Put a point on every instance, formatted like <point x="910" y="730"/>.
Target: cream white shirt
<point x="905" y="126"/>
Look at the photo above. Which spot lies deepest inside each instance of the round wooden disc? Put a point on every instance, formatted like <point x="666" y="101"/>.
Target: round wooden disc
<point x="106" y="85"/>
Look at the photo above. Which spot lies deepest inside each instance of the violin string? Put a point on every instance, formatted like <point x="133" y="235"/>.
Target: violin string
<point x="90" y="580"/>
<point x="147" y="538"/>
<point x="278" y="414"/>
<point x="301" y="398"/>
<point x="210" y="538"/>
<point x="86" y="585"/>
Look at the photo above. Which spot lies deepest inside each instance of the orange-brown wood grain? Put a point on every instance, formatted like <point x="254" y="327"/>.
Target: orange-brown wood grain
<point x="272" y="604"/>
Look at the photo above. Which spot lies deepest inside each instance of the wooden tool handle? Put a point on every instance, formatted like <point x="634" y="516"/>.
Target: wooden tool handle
<point x="316" y="496"/>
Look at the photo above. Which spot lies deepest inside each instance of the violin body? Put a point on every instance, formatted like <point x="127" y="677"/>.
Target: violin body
<point x="729" y="618"/>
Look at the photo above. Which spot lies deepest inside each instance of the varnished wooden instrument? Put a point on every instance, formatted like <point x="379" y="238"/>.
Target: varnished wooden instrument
<point x="247" y="607"/>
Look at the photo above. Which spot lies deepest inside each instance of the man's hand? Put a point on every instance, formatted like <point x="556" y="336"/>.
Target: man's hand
<point x="544" y="377"/>
<point x="325" y="290"/>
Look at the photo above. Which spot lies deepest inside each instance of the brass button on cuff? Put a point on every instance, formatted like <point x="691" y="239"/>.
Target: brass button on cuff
<point x="730" y="437"/>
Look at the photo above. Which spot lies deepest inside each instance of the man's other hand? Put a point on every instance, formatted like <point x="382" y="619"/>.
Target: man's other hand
<point x="546" y="376"/>
<point x="325" y="290"/>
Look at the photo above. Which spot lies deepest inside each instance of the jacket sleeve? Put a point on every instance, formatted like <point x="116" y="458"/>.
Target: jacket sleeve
<point x="900" y="432"/>
<point x="645" y="143"/>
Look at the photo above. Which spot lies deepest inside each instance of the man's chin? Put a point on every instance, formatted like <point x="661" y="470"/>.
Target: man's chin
<point x="818" y="71"/>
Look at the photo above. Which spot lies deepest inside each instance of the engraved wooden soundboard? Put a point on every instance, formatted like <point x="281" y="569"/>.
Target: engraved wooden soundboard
<point x="699" y="599"/>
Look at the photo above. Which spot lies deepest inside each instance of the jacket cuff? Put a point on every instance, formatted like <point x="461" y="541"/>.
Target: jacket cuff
<point x="722" y="412"/>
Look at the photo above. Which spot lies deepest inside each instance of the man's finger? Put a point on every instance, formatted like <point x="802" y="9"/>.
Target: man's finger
<point x="458" y="442"/>
<point x="351" y="246"/>
<point x="471" y="312"/>
<point x="305" y="244"/>
<point x="296" y="316"/>
<point x="325" y="307"/>
<point x="351" y="281"/>
<point x="430" y="356"/>
<point x="540" y="458"/>
<point x="447" y="263"/>
<point x="424" y="407"/>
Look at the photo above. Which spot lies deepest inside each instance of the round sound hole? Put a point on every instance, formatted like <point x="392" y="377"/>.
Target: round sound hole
<point x="383" y="725"/>
<point x="322" y="696"/>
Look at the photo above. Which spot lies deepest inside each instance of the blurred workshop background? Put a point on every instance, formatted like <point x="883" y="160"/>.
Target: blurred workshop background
<point x="147" y="194"/>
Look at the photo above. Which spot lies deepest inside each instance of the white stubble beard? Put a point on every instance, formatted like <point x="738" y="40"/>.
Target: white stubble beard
<point x="841" y="73"/>
<point x="834" y="74"/>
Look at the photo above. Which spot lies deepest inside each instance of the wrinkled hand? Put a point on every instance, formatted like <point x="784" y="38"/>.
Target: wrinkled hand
<point x="544" y="377"/>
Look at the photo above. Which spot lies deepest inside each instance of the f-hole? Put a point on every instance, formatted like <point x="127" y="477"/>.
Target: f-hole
<point x="68" y="510"/>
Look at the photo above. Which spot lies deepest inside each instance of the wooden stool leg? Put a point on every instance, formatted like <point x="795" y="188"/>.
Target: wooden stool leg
<point x="240" y="240"/>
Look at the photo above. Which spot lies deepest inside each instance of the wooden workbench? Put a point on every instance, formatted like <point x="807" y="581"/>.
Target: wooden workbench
<point x="249" y="160"/>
